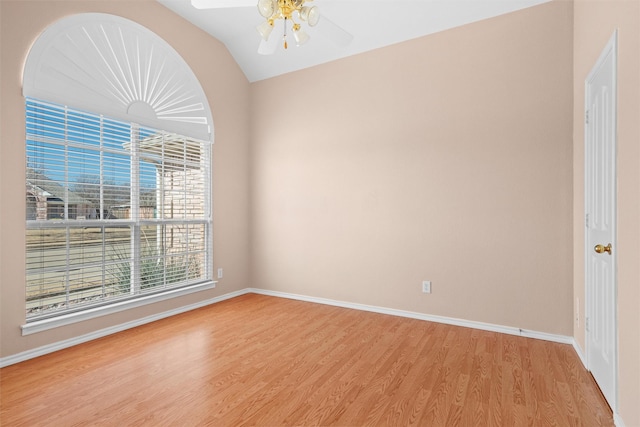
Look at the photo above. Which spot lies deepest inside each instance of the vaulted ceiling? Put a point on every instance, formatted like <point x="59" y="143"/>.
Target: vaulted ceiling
<point x="372" y="24"/>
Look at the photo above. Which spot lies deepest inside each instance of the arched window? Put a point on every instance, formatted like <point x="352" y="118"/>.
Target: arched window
<point x="118" y="145"/>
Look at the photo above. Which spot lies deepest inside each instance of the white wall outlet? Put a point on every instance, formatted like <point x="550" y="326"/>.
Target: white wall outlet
<point x="220" y="273"/>
<point x="426" y="286"/>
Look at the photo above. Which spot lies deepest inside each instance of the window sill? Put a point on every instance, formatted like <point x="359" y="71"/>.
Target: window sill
<point x="92" y="313"/>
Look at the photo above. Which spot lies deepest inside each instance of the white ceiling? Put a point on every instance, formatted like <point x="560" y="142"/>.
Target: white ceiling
<point x="373" y="24"/>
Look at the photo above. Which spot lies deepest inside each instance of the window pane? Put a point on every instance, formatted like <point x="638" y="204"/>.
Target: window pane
<point x="149" y="190"/>
<point x="45" y="185"/>
<point x="46" y="269"/>
<point x="118" y="261"/>
<point x="197" y="237"/>
<point x="85" y="284"/>
<point x="90" y="267"/>
<point x="85" y="246"/>
<point x="45" y="121"/>
<point x="116" y="186"/>
<point x="83" y="128"/>
<point x="46" y="249"/>
<point x="115" y="134"/>
<point x="176" y="269"/>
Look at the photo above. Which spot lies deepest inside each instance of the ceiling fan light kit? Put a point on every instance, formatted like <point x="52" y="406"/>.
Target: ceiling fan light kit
<point x="310" y="14"/>
<point x="265" y="29"/>
<point x="283" y="16"/>
<point x="301" y="37"/>
<point x="272" y="10"/>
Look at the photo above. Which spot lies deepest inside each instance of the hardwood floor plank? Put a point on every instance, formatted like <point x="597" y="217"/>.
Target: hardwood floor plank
<point x="265" y="361"/>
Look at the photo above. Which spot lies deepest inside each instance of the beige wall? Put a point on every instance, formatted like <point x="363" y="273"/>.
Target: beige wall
<point x="595" y="22"/>
<point x="228" y="92"/>
<point x="446" y="158"/>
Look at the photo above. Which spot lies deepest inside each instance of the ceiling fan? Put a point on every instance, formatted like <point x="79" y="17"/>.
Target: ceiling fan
<point x="283" y="16"/>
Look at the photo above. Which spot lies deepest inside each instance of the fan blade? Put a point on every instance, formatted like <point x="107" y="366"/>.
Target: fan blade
<point x="221" y="4"/>
<point x="266" y="48"/>
<point x="334" y="32"/>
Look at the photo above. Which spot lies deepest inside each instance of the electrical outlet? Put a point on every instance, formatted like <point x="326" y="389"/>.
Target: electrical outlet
<point x="426" y="286"/>
<point x="220" y="273"/>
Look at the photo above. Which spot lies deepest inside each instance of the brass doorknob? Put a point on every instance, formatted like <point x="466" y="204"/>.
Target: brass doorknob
<point x="602" y="249"/>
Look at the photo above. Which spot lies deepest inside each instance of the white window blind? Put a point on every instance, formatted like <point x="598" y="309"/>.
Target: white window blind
<point x="115" y="210"/>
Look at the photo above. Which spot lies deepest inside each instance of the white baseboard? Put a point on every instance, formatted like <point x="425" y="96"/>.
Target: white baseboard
<point x="421" y="316"/>
<point x="30" y="354"/>
<point x="579" y="351"/>
<point x="617" y="421"/>
<point x="50" y="348"/>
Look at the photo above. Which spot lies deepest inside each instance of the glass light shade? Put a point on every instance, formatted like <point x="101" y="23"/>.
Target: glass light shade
<point x="265" y="30"/>
<point x="311" y="14"/>
<point x="267" y="7"/>
<point x="301" y="37"/>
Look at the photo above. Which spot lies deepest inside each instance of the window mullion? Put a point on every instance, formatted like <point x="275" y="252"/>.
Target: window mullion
<point x="184" y="178"/>
<point x="207" y="166"/>
<point x="67" y="278"/>
<point x="101" y="209"/>
<point x="164" y="214"/>
<point x="185" y="208"/>
<point x="101" y="172"/>
<point x="136" y="252"/>
<point x="65" y="208"/>
<point x="67" y="281"/>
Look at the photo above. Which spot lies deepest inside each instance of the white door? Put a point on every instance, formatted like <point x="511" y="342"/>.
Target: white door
<point x="600" y="221"/>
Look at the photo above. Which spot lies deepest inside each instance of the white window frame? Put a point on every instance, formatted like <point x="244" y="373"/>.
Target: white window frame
<point x="136" y="298"/>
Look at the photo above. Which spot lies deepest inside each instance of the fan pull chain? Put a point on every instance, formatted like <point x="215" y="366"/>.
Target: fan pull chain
<point x="284" y="38"/>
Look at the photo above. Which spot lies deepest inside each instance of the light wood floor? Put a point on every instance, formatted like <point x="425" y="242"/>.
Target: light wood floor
<point x="258" y="360"/>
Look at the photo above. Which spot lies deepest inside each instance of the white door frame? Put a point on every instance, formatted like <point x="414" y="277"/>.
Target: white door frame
<point x="609" y="51"/>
